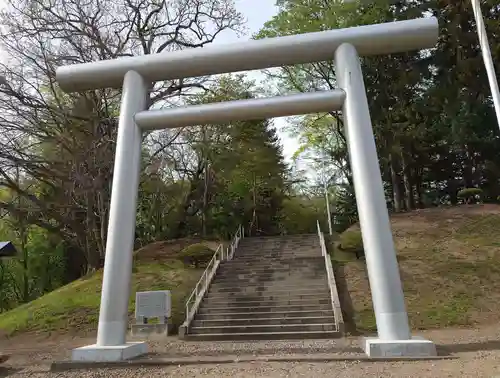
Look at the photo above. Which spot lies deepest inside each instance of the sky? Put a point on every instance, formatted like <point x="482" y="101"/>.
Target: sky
<point x="256" y="13"/>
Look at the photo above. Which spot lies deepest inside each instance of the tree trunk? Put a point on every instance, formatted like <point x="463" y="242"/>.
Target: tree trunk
<point x="254" y="222"/>
<point x="418" y="189"/>
<point x="205" y="201"/>
<point x="24" y="241"/>
<point x="205" y="185"/>
<point x="471" y="176"/>
<point x="23" y="237"/>
<point x="408" y="185"/>
<point x="75" y="262"/>
<point x="452" y="191"/>
<point x="396" y="183"/>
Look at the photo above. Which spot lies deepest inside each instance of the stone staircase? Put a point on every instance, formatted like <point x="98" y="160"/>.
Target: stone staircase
<point x="273" y="288"/>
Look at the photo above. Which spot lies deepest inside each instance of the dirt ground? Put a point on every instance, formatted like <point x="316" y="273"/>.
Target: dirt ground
<point x="477" y="353"/>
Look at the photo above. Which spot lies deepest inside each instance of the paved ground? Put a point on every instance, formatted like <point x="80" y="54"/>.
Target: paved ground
<point x="478" y="353"/>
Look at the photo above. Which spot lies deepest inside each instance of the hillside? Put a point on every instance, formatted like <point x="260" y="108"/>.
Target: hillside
<point x="449" y="261"/>
<point x="74" y="308"/>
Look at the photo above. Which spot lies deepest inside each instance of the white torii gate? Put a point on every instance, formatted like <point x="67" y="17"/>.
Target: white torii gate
<point x="135" y="74"/>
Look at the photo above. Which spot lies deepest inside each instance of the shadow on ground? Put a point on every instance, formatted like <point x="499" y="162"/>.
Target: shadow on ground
<point x="6" y="371"/>
<point x="471" y="347"/>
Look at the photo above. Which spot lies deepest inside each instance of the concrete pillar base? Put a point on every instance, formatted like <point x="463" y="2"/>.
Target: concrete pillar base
<point x="415" y="347"/>
<point x="96" y="353"/>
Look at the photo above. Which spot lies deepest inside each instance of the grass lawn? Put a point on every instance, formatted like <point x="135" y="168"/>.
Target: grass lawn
<point x="74" y="308"/>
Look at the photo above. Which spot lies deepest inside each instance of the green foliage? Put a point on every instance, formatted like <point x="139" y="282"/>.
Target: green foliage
<point x="300" y="214"/>
<point x="432" y="135"/>
<point x="197" y="255"/>
<point x="75" y="307"/>
<point x="241" y="173"/>
<point x="346" y="211"/>
<point x="469" y="194"/>
<point x="38" y="268"/>
<point x="160" y="204"/>
<point x="351" y="241"/>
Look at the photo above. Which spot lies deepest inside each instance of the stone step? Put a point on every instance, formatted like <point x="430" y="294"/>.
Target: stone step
<point x="268" y="269"/>
<point x="257" y="280"/>
<point x="265" y="297"/>
<point x="205" y="308"/>
<point x="280" y="244"/>
<point x="280" y="236"/>
<point x="278" y="282"/>
<point x="267" y="291"/>
<point x="292" y="285"/>
<point x="291" y="246"/>
<point x="262" y="259"/>
<point x="274" y="267"/>
<point x="299" y="304"/>
<point x="275" y="263"/>
<point x="305" y="335"/>
<point x="248" y="268"/>
<point x="269" y="295"/>
<point x="256" y="303"/>
<point x="291" y="280"/>
<point x="323" y="327"/>
<point x="280" y="240"/>
<point x="285" y="248"/>
<point x="263" y="321"/>
<point x="263" y="315"/>
<point x="227" y="271"/>
<point x="247" y="257"/>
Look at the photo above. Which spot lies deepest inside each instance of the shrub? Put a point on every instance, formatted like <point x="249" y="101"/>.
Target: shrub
<point x="352" y="241"/>
<point x="197" y="255"/>
<point x="469" y="194"/>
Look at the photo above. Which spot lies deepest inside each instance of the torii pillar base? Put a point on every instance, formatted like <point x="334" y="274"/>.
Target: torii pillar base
<point x="414" y="347"/>
<point x="115" y="353"/>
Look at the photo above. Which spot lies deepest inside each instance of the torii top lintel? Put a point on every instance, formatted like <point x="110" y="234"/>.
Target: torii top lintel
<point x="378" y="39"/>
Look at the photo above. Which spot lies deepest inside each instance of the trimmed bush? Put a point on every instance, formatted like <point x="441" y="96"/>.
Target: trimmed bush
<point x="352" y="241"/>
<point x="197" y="255"/>
<point x="469" y="194"/>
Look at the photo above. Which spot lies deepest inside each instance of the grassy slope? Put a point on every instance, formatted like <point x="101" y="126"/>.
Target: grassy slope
<point x="449" y="262"/>
<point x="450" y="266"/>
<point x="74" y="308"/>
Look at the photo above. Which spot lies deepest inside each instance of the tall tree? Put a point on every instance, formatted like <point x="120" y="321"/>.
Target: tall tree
<point x="65" y="143"/>
<point x="236" y="171"/>
<point x="432" y="119"/>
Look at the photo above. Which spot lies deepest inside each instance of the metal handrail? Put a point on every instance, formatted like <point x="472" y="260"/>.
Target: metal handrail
<point x="235" y="242"/>
<point x="205" y="279"/>
<point x="334" y="294"/>
<point x="194" y="300"/>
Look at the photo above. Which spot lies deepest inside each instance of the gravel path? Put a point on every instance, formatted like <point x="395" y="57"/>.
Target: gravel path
<point x="478" y="352"/>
